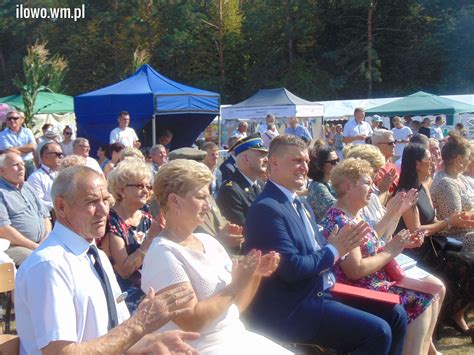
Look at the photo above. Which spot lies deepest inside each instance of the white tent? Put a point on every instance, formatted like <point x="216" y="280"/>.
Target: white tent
<point x="279" y="102"/>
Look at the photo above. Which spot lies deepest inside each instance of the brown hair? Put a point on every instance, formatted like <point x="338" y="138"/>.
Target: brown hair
<point x="454" y="147"/>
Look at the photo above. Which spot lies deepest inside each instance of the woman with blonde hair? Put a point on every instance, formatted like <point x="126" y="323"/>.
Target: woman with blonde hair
<point x="179" y="256"/>
<point x="130" y="230"/>
<point x="366" y="266"/>
<point x="384" y="220"/>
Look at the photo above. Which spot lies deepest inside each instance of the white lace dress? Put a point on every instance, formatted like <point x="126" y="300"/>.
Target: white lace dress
<point x="168" y="263"/>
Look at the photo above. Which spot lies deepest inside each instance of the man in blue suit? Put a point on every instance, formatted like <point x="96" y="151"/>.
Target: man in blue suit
<point x="295" y="303"/>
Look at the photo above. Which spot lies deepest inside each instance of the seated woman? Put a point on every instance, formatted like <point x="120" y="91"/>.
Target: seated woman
<point x="416" y="173"/>
<point x="197" y="260"/>
<point x="452" y="192"/>
<point x="114" y="152"/>
<point x="321" y="195"/>
<point x="364" y="266"/>
<point x="383" y="220"/>
<point x="130" y="230"/>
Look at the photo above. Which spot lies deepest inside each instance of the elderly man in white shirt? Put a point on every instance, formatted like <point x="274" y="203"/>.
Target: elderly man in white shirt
<point x="82" y="148"/>
<point x="123" y="133"/>
<point x="42" y="179"/>
<point x="356" y="131"/>
<point x="67" y="298"/>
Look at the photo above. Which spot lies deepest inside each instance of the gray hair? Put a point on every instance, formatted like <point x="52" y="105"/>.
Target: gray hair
<point x="3" y="157"/>
<point x="155" y="148"/>
<point x="65" y="184"/>
<point x="381" y="136"/>
<point x="78" y="141"/>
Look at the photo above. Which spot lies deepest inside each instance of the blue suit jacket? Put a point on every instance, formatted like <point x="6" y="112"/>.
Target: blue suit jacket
<point x="288" y="304"/>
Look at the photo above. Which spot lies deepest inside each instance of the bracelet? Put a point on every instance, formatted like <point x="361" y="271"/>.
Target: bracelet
<point x="447" y="223"/>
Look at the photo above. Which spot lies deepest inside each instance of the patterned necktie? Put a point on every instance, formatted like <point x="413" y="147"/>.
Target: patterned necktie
<point x="104" y="281"/>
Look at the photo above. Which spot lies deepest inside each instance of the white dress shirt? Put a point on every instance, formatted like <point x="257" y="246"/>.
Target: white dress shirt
<point x="353" y="128"/>
<point x="58" y="294"/>
<point x="41" y="181"/>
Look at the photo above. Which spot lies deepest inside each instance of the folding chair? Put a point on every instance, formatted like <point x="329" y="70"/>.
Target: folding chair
<point x="7" y="285"/>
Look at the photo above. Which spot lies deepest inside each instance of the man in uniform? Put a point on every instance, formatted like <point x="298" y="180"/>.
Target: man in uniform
<point x="237" y="194"/>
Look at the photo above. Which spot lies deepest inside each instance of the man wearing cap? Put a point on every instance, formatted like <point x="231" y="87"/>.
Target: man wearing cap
<point x="18" y="139"/>
<point x="356" y="131"/>
<point x="237" y="194"/>
<point x="377" y="123"/>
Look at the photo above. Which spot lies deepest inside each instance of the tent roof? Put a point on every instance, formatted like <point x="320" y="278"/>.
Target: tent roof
<point x="278" y="101"/>
<point x="421" y="103"/>
<point x="273" y="97"/>
<point x="46" y="102"/>
<point x="184" y="110"/>
<point x="148" y="82"/>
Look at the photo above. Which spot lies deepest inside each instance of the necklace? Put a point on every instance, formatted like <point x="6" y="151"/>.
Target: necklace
<point x="190" y="242"/>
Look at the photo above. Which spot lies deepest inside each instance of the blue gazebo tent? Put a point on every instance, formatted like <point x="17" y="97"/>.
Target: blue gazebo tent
<point x="146" y="95"/>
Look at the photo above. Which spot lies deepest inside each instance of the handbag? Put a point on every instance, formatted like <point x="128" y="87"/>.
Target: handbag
<point x="394" y="270"/>
<point x="442" y="243"/>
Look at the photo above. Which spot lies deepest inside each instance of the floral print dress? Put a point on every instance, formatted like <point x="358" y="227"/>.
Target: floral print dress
<point x="414" y="302"/>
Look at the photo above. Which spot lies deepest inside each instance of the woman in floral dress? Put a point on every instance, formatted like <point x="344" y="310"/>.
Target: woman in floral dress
<point x="365" y="266"/>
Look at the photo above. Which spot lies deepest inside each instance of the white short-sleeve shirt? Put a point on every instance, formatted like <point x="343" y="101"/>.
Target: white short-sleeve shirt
<point x="352" y="129"/>
<point x="401" y="134"/>
<point x="58" y="294"/>
<point x="126" y="136"/>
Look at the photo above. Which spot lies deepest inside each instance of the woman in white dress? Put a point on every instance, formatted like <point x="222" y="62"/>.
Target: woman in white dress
<point x="179" y="256"/>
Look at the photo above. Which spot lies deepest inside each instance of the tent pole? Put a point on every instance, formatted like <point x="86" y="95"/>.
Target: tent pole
<point x="153" y="127"/>
<point x="219" y="130"/>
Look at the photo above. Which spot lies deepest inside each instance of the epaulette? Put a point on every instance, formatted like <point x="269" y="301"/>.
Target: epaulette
<point x="230" y="183"/>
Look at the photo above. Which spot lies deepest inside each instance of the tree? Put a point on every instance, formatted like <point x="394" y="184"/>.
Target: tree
<point x="41" y="71"/>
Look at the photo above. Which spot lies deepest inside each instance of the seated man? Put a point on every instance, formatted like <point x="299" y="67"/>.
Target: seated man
<point x="237" y="194"/>
<point x="18" y="139"/>
<point x="67" y="298"/>
<point x="295" y="304"/>
<point x="82" y="148"/>
<point x="42" y="179"/>
<point x="24" y="220"/>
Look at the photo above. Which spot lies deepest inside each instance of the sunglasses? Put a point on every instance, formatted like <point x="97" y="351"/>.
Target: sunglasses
<point x="141" y="186"/>
<point x="58" y="154"/>
<point x="390" y="143"/>
<point x="333" y="162"/>
<point x="13" y="118"/>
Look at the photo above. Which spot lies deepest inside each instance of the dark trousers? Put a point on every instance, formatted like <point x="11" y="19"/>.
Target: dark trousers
<point x="361" y="326"/>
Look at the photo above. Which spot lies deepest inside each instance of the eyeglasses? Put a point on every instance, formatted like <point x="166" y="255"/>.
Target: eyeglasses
<point x="85" y="146"/>
<point x="141" y="186"/>
<point x="392" y="143"/>
<point x="58" y="154"/>
<point x="333" y="162"/>
<point x="68" y="133"/>
<point x="13" y="118"/>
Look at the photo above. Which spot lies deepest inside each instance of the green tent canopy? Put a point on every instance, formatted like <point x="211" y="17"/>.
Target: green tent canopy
<point x="420" y="104"/>
<point x="46" y="102"/>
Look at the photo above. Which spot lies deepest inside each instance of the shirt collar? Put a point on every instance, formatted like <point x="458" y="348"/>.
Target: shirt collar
<point x="10" y="185"/>
<point x="71" y="240"/>
<point x="289" y="194"/>
<point x="251" y="183"/>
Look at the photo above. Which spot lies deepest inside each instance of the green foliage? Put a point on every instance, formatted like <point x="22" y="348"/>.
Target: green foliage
<point x="41" y="71"/>
<point x="319" y="49"/>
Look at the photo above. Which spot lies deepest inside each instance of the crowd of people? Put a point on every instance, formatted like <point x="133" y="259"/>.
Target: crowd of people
<point x="172" y="252"/>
